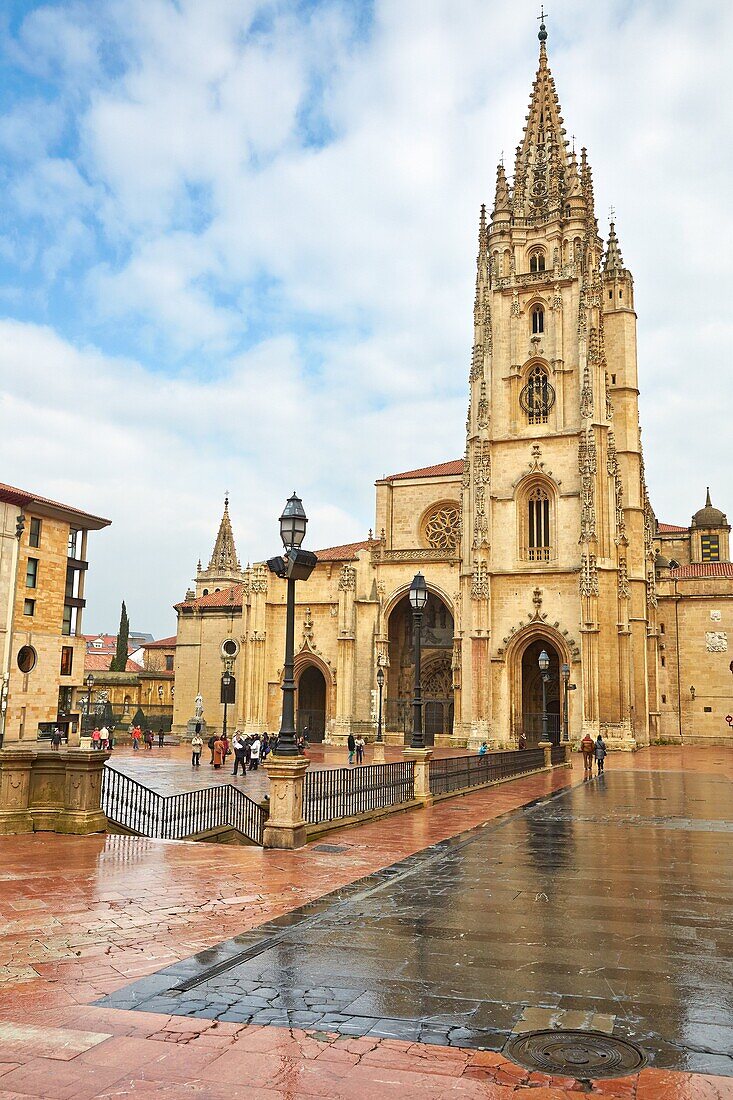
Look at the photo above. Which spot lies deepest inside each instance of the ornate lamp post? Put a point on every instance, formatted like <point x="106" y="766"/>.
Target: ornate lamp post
<point x="544" y="663"/>
<point x="418" y="600"/>
<point x="90" y="685"/>
<point x="565" y="670"/>
<point x="225" y="684"/>
<point x="297" y="565"/>
<point x="380" y="688"/>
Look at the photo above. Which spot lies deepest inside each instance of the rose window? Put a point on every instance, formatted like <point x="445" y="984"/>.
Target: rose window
<point x="443" y="527"/>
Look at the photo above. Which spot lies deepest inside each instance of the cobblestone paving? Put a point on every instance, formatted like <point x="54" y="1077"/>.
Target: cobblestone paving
<point x="83" y="917"/>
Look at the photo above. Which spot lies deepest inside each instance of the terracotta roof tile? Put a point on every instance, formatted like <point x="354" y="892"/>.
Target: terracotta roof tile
<point x="24" y="497"/>
<point x="100" y="662"/>
<point x="443" y="469"/>
<point x="163" y="643"/>
<point x="227" y="597"/>
<point x="671" y="529"/>
<point x="703" y="569"/>
<point x="346" y="552"/>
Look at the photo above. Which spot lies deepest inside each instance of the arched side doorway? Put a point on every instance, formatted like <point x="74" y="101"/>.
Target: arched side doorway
<point x="531" y="694"/>
<point x="436" y="678"/>
<point x="311" y="703"/>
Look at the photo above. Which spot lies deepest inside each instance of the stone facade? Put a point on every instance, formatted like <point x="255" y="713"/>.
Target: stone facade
<point x="541" y="537"/>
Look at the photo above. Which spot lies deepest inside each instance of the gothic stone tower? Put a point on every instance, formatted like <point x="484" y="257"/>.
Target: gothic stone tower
<point x="557" y="528"/>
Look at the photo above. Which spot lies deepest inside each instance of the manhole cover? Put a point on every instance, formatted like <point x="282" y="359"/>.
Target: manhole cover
<point x="330" y="848"/>
<point x="584" y="1055"/>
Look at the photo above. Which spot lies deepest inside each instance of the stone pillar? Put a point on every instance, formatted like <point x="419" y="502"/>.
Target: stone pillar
<point x="421" y="758"/>
<point x="546" y="747"/>
<point x="285" y="827"/>
<point x="44" y="790"/>
<point x="378" y="755"/>
<point x="15" y="782"/>
<point x="568" y="753"/>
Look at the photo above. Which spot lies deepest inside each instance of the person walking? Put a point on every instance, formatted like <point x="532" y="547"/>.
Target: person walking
<point x="218" y="752"/>
<point x="255" y="754"/>
<point x="586" y="747"/>
<point x="483" y="749"/>
<point x="210" y="744"/>
<point x="161" y="737"/>
<point x="135" y="735"/>
<point x="238" y="746"/>
<point x="149" y="740"/>
<point x="351" y="746"/>
<point x="600" y="753"/>
<point x="103" y="737"/>
<point x="522" y="741"/>
<point x="96" y="735"/>
<point x="56" y="739"/>
<point x="360" y="743"/>
<point x="196" y="747"/>
<point x="265" y="747"/>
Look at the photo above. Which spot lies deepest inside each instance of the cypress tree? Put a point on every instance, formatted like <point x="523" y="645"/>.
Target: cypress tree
<point x="119" y="661"/>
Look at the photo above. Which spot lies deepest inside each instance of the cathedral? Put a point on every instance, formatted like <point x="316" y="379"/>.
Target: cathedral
<point x="542" y="537"/>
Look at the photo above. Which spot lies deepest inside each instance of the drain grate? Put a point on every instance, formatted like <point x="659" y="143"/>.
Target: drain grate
<point x="330" y="848"/>
<point x="585" y="1055"/>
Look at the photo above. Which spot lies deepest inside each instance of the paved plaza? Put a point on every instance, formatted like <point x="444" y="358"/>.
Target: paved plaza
<point x="392" y="959"/>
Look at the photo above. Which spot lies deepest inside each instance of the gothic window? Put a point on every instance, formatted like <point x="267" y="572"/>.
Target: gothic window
<point x="506" y="270"/>
<point x="537" y="396"/>
<point x="538" y="320"/>
<point x="441" y="527"/>
<point x="536" y="528"/>
<point x="537" y="261"/>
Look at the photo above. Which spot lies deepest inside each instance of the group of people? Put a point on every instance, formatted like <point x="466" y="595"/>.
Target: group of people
<point x="593" y="750"/>
<point x="247" y="750"/>
<point x="356" y="745"/>
<point x="102" y="739"/>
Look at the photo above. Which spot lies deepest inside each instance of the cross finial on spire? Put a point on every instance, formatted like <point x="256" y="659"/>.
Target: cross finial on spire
<point x="501" y="159"/>
<point x="543" y="30"/>
<point x="612" y="212"/>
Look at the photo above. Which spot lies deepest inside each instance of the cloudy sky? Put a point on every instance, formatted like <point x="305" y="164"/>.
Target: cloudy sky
<point x="237" y="245"/>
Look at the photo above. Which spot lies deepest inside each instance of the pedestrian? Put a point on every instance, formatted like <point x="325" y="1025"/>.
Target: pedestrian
<point x="255" y="754"/>
<point x="522" y="741"/>
<point x="149" y="740"/>
<point x="238" y="749"/>
<point x="210" y="743"/>
<point x="265" y="747"/>
<point x="111" y="740"/>
<point x="103" y="738"/>
<point x="56" y="739"/>
<point x="483" y="749"/>
<point x="586" y="747"/>
<point x="161" y="738"/>
<point x="96" y="736"/>
<point x="218" y="752"/>
<point x="351" y="745"/>
<point x="600" y="753"/>
<point x="135" y="735"/>
<point x="196" y="747"/>
<point x="360" y="743"/>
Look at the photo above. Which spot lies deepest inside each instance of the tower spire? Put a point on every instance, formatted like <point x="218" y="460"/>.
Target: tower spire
<point x="224" y="556"/>
<point x="614" y="261"/>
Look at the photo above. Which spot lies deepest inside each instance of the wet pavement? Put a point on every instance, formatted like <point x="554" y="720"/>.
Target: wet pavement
<point x="605" y="906"/>
<point x="83" y="917"/>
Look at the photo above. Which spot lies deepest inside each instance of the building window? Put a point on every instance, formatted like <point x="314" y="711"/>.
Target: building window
<point x="661" y="628"/>
<point x="664" y="662"/>
<point x="620" y="293"/>
<point x="67" y="660"/>
<point x="538" y="320"/>
<point x="206" y="592"/>
<point x="610" y="294"/>
<point x="664" y="698"/>
<point x="71" y="551"/>
<point x="29" y="607"/>
<point x="27" y="658"/>
<point x="710" y="547"/>
<point x="613" y="379"/>
<point x="169" y="662"/>
<point x="536" y="518"/>
<point x="537" y="261"/>
<point x="67" y="622"/>
<point x="707" y="710"/>
<point x="31" y="573"/>
<point x="537" y="396"/>
<point x="34" y="536"/>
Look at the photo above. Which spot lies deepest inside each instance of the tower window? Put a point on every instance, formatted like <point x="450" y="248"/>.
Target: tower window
<point x="537" y="261"/>
<point x="537" y="396"/>
<point x="537" y="543"/>
<point x="538" y="320"/>
<point x="613" y="379"/>
<point x="710" y="547"/>
<point x="620" y="293"/>
<point x="610" y="294"/>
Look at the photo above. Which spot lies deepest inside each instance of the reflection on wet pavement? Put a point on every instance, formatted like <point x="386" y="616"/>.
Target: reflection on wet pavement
<point x="608" y="901"/>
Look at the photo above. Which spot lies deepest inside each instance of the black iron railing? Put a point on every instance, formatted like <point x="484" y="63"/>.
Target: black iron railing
<point x="346" y="792"/>
<point x="557" y="754"/>
<point x="461" y="772"/>
<point x="177" y="816"/>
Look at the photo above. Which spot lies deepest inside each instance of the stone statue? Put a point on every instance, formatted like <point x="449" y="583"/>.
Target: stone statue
<point x="199" y="706"/>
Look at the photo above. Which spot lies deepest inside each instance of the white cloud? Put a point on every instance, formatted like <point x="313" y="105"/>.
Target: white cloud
<point x="273" y="211"/>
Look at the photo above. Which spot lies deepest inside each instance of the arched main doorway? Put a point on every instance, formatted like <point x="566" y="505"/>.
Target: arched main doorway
<point x="436" y="673"/>
<point x="312" y="703"/>
<point x="532" y="692"/>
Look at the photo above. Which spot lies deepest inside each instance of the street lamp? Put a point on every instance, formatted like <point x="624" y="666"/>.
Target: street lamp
<point x="544" y="663"/>
<point x="297" y="565"/>
<point x="380" y="686"/>
<point x="418" y="600"/>
<point x="90" y="685"/>
<point x="225" y="682"/>
<point x="565" y="670"/>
